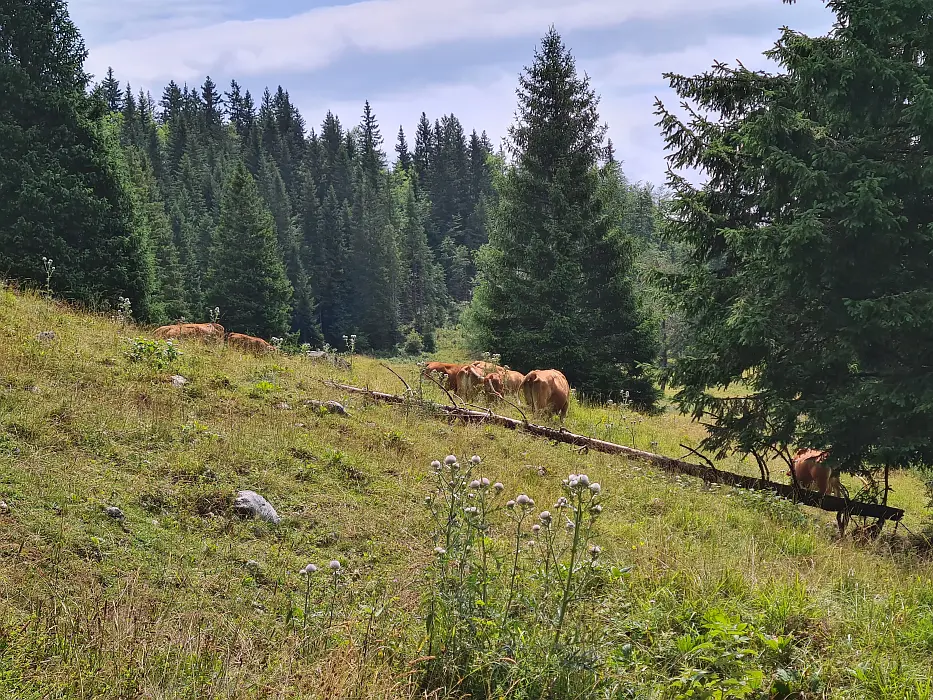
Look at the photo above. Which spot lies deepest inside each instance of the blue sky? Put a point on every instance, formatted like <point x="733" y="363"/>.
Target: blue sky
<point x="459" y="56"/>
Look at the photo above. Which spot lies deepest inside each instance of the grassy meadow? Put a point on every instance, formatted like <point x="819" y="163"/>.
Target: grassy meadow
<point x="705" y="592"/>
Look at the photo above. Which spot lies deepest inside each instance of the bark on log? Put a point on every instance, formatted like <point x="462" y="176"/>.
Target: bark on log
<point x="807" y="497"/>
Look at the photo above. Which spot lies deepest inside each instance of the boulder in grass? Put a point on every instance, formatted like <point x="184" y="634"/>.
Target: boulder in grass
<point x="250" y="503"/>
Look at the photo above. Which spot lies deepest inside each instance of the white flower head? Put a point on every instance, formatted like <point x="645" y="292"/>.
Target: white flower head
<point x="595" y="550"/>
<point x="510" y="505"/>
<point x="474" y="484"/>
<point x="334" y="565"/>
<point x="499" y="487"/>
<point x="595" y="488"/>
<point x="524" y="500"/>
<point x="440" y="551"/>
<point x="435" y="465"/>
<point x="584" y="480"/>
<point x="450" y="460"/>
<point x="484" y="481"/>
<point x="308" y="570"/>
<point x="545" y="516"/>
<point x="570" y="526"/>
<point x="475" y="459"/>
<point x="597" y="509"/>
<point x="536" y="528"/>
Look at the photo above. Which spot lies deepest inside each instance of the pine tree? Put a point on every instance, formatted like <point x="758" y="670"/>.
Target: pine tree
<point x="112" y="92"/>
<point x="246" y="278"/>
<point x="554" y="290"/>
<point x="423" y="286"/>
<point x="810" y="249"/>
<point x="374" y="263"/>
<point x="403" y="155"/>
<point x="63" y="187"/>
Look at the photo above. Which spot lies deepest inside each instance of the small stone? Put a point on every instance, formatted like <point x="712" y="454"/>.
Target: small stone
<point x="45" y="336"/>
<point x="282" y="406"/>
<point x="178" y="380"/>
<point x="114" y="512"/>
<point x="4" y="508"/>
<point x="252" y="504"/>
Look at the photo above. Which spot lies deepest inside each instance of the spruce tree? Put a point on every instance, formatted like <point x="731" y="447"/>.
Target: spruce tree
<point x="554" y="289"/>
<point x="402" y="153"/>
<point x="810" y="248"/>
<point x="246" y="277"/>
<point x="112" y="92"/>
<point x="63" y="189"/>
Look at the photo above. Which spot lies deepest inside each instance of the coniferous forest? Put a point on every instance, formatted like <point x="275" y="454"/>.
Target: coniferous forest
<point x="209" y="197"/>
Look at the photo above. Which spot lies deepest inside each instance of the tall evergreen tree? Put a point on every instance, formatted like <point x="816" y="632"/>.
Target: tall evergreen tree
<point x="403" y="155"/>
<point x="554" y="289"/>
<point x="246" y="277"/>
<point x="63" y="190"/>
<point x="810" y="247"/>
<point x="112" y="92"/>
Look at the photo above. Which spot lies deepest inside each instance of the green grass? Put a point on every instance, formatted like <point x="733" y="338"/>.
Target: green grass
<point x="184" y="599"/>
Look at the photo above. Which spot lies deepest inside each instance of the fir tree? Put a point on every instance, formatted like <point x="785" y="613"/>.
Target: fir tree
<point x="112" y="92"/>
<point x="810" y="251"/>
<point x="403" y="155"/>
<point x="554" y="288"/>
<point x="63" y="187"/>
<point x="246" y="277"/>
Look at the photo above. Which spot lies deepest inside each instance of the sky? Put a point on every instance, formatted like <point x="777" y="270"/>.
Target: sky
<point x="438" y="56"/>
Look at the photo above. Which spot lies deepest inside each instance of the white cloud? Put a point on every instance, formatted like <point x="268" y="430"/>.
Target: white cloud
<point x="313" y="39"/>
<point x="627" y="84"/>
<point x="109" y="20"/>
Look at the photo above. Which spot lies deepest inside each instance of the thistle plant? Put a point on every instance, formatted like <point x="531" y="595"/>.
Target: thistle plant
<point x="49" y="270"/>
<point x="214" y="314"/>
<point x="307" y="572"/>
<point x="124" y="310"/>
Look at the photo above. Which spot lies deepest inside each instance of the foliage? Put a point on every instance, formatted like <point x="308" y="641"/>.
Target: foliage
<point x="63" y="189"/>
<point x="157" y="353"/>
<point x="808" y="277"/>
<point x="247" y="277"/>
<point x="555" y="285"/>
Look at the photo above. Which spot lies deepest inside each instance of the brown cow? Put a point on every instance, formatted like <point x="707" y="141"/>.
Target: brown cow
<point x="809" y="469"/>
<point x="210" y="332"/>
<point x="492" y="386"/>
<point x="448" y="369"/>
<point x="547" y="390"/>
<point x="511" y="380"/>
<point x="468" y="381"/>
<point x="249" y="343"/>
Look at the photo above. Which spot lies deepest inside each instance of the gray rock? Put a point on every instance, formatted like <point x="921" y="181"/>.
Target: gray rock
<point x="178" y="380"/>
<point x="328" y="406"/>
<point x="114" y="512"/>
<point x="252" y="504"/>
<point x="4" y="508"/>
<point x="46" y="336"/>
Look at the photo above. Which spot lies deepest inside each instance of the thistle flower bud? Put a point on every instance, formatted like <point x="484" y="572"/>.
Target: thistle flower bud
<point x="595" y="550"/>
<point x="440" y="550"/>
<point x="499" y="487"/>
<point x="595" y="488"/>
<point x="584" y="480"/>
<point x="484" y="481"/>
<point x="510" y="505"/>
<point x="597" y="509"/>
<point x="450" y="460"/>
<point x="308" y="570"/>
<point x="545" y="516"/>
<point x="475" y="459"/>
<point x="536" y="529"/>
<point x="435" y="465"/>
<point x="334" y="565"/>
<point x="474" y="484"/>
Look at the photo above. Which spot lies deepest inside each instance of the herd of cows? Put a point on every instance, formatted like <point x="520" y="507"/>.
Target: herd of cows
<point x="543" y="390"/>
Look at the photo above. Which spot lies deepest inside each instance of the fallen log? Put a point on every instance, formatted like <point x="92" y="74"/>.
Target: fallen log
<point x="669" y="464"/>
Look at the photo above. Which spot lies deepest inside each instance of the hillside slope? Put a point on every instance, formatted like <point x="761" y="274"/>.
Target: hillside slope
<point x="728" y="591"/>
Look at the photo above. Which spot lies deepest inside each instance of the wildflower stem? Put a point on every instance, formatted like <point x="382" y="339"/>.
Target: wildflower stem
<point x="577" y="517"/>
<point x="518" y="541"/>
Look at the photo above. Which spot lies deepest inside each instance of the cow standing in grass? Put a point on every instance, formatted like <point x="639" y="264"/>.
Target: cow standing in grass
<point x="207" y="332"/>
<point x="809" y="469"/>
<point x="547" y="391"/>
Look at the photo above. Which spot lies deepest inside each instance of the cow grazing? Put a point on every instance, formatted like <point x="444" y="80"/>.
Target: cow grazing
<point x="492" y="386"/>
<point x="809" y="468"/>
<point x="511" y="380"/>
<point x="468" y="381"/>
<point x="546" y="390"/>
<point x="448" y="369"/>
<point x="207" y="332"/>
<point x="249" y="343"/>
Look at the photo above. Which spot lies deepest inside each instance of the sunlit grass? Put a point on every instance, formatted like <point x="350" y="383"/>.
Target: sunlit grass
<point x="185" y="600"/>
